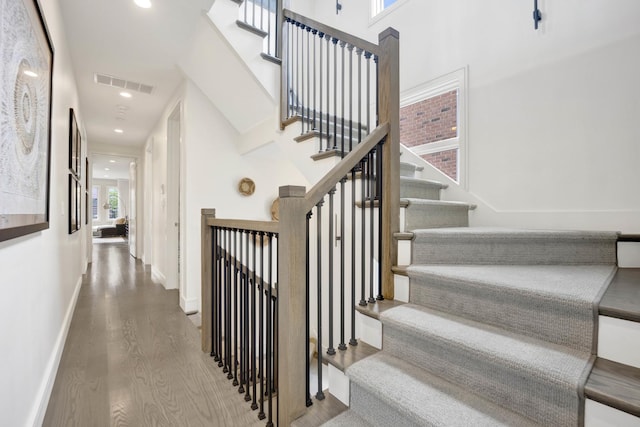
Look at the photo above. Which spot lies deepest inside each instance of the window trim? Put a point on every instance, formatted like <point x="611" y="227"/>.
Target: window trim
<point x="448" y="82"/>
<point x="377" y="11"/>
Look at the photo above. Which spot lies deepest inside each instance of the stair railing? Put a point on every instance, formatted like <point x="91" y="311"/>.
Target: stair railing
<point x="263" y="18"/>
<point x="270" y="349"/>
<point x="329" y="83"/>
<point x="240" y="287"/>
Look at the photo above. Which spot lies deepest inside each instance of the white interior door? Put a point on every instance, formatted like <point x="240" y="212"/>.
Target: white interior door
<point x="133" y="193"/>
<point x="173" y="200"/>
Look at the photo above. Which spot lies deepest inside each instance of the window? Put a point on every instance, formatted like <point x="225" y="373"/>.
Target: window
<point x="113" y="198"/>
<point x="95" y="201"/>
<point x="378" y="6"/>
<point x="432" y="123"/>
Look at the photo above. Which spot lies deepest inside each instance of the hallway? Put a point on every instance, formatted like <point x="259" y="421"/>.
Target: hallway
<point x="132" y="357"/>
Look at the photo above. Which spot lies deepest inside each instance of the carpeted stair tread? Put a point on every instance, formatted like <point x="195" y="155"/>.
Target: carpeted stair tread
<point x="532" y="377"/>
<point x="419" y="188"/>
<point x="554" y="303"/>
<point x="347" y="419"/>
<point x="476" y="245"/>
<point x="387" y="391"/>
<point x="422" y="213"/>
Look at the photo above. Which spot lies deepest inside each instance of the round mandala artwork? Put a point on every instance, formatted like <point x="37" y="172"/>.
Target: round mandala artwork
<point x="25" y="104"/>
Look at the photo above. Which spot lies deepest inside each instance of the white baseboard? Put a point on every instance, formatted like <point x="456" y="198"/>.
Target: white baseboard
<point x="598" y="415"/>
<point x="41" y="401"/>
<point x="158" y="276"/>
<point x="189" y="305"/>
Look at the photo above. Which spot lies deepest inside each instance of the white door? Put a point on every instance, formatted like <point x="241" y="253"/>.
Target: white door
<point x="173" y="200"/>
<point x="133" y="182"/>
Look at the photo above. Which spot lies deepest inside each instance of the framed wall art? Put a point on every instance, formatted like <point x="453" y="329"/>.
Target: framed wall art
<point x="25" y="119"/>
<point x="75" y="193"/>
<point x="86" y="191"/>
<point x="74" y="144"/>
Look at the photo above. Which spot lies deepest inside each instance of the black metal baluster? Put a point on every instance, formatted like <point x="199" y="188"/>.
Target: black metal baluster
<point x="328" y="37"/>
<point x="359" y="54"/>
<point x="350" y="47"/>
<point x="269" y="29"/>
<point x="242" y="311"/>
<point x="247" y="347"/>
<point x="302" y="74"/>
<point x="371" y="216"/>
<point x="261" y="414"/>
<point x="298" y="74"/>
<point x="342" y="345"/>
<point x="214" y="284"/>
<point x="308" y="116"/>
<point x="320" y="68"/>
<point x="219" y="297"/>
<point x="306" y="316"/>
<point x="227" y="317"/>
<point x="335" y="93"/>
<point x="363" y="199"/>
<point x="289" y="68"/>
<point x="320" y="393"/>
<point x="331" y="351"/>
<point x="342" y="44"/>
<point x="352" y="339"/>
<point x="235" y="308"/>
<point x="270" y="331"/>
<point x="379" y="297"/>
<point x="367" y="55"/>
<point x="254" y="285"/>
<point x="315" y="104"/>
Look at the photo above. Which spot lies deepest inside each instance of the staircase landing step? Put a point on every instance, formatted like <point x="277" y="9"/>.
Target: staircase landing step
<point x="354" y="353"/>
<point x="622" y="298"/>
<point x="615" y="385"/>
<point x="321" y="411"/>
<point x="379" y="307"/>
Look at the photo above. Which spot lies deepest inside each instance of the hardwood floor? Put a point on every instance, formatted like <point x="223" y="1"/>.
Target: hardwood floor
<point x="132" y="357"/>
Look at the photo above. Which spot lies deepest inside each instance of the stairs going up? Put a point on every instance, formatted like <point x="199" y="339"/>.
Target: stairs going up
<point x="499" y="328"/>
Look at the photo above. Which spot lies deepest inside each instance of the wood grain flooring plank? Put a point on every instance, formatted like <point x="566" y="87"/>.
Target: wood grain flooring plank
<point x="132" y="357"/>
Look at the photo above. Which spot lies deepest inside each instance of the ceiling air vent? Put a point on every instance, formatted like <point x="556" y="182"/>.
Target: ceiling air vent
<point x="107" y="80"/>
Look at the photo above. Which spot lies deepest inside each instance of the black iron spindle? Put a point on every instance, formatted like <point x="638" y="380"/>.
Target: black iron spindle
<point x="371" y="225"/>
<point x="227" y="311"/>
<point x="379" y="297"/>
<point x="254" y="285"/>
<point x="363" y="199"/>
<point x="342" y="345"/>
<point x="214" y="284"/>
<point x="350" y="48"/>
<point x="320" y="68"/>
<point x="342" y="73"/>
<point x="301" y="91"/>
<point x="352" y="339"/>
<point x="219" y="298"/>
<point x="320" y="393"/>
<point x="315" y="104"/>
<point x="242" y="309"/>
<point x="270" y="331"/>
<point x="367" y="55"/>
<point x="331" y="351"/>
<point x="359" y="54"/>
<point x="328" y="37"/>
<point x="261" y="414"/>
<point x="335" y="93"/>
<point x="309" y="402"/>
<point x="309" y="107"/>
<point x="247" y="351"/>
<point x="235" y="308"/>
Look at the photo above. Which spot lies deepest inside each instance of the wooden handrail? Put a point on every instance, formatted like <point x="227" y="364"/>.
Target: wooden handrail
<point x="367" y="46"/>
<point x="340" y="170"/>
<point x="242" y="224"/>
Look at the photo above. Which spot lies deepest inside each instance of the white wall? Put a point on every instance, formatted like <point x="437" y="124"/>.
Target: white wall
<point x="551" y="134"/>
<point x="40" y="274"/>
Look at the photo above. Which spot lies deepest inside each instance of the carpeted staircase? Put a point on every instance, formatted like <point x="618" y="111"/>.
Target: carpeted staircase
<point x="500" y="326"/>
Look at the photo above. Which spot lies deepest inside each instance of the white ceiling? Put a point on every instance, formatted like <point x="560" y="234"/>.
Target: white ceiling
<point x="110" y="167"/>
<point x="118" y="38"/>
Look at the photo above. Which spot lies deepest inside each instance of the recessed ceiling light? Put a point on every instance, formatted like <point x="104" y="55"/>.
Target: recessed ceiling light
<point x="145" y="4"/>
<point x="30" y="73"/>
<point x="107" y="169"/>
<point x="118" y="130"/>
<point x="112" y="161"/>
<point x="125" y="94"/>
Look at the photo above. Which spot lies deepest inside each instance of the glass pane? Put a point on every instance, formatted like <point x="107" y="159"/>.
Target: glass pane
<point x="113" y="202"/>
<point x="446" y="161"/>
<point x="434" y="119"/>
<point x="94" y="202"/>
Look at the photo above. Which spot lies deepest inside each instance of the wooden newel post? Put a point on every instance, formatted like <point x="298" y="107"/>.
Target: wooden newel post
<point x="291" y="304"/>
<point x="389" y="111"/>
<point x="207" y="268"/>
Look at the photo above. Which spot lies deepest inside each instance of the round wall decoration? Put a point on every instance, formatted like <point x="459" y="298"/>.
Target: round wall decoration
<point x="246" y="186"/>
<point x="275" y="209"/>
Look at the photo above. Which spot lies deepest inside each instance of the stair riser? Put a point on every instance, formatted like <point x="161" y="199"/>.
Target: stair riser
<point x="428" y="250"/>
<point x="408" y="170"/>
<point x="419" y="191"/>
<point x="434" y="216"/>
<point x="512" y="387"/>
<point x="377" y="411"/>
<point x="534" y="316"/>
